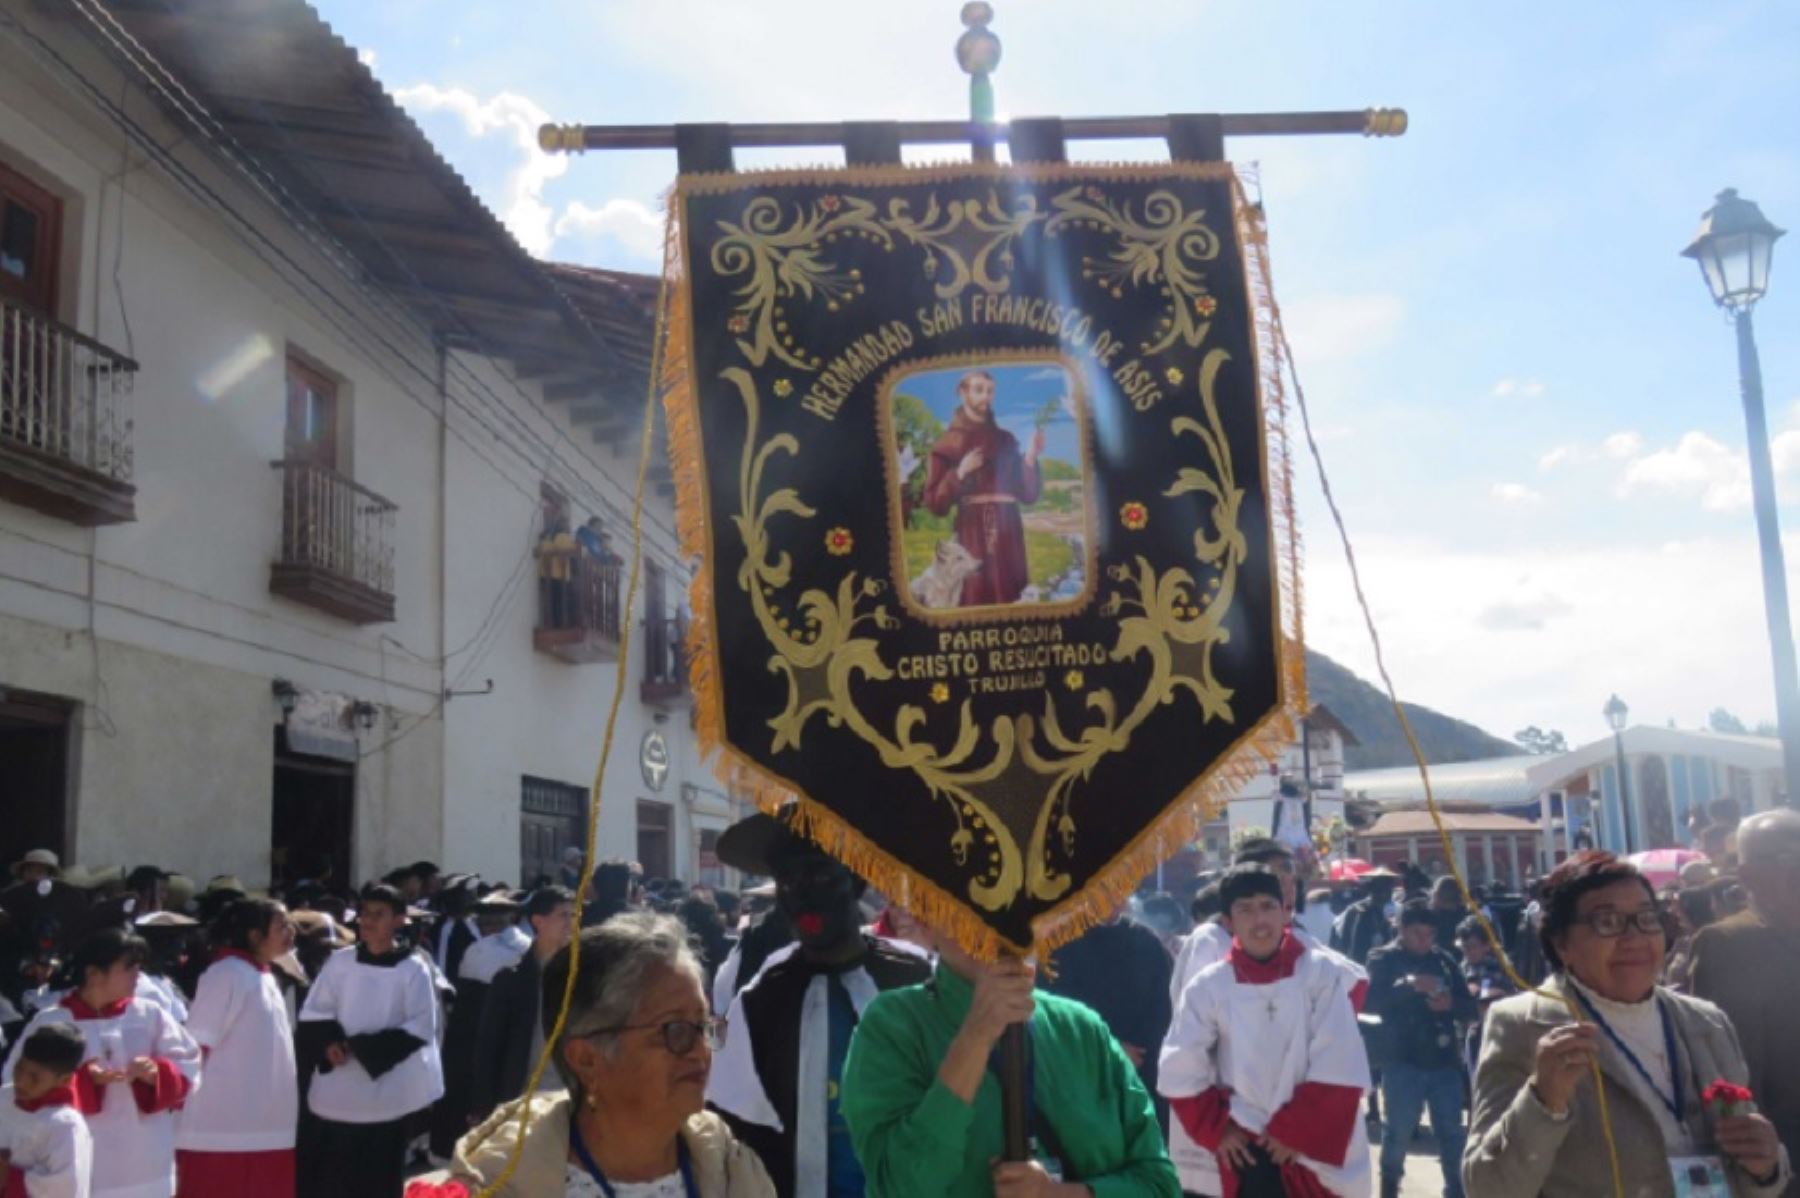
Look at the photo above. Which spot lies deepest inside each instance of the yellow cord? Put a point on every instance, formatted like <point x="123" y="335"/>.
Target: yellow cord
<point x="1437" y="819"/>
<point x="522" y="1105"/>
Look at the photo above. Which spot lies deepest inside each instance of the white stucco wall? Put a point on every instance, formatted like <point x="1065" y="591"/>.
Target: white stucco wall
<point x="177" y="601"/>
<point x="546" y="717"/>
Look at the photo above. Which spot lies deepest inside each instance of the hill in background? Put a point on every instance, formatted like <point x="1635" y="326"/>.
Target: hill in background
<point x="1366" y="711"/>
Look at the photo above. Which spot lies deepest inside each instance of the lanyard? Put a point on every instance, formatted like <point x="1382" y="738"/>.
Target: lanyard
<point x="1676" y="1106"/>
<point x="587" y="1162"/>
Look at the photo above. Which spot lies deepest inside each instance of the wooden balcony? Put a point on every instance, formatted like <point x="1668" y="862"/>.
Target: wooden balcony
<point x="580" y="622"/>
<point x="337" y="545"/>
<point x="665" y="661"/>
<point x="65" y="421"/>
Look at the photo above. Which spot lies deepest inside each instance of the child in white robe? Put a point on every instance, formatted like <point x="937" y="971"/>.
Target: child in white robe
<point x="370" y="1025"/>
<point x="1263" y="1064"/>
<point x="47" y="1150"/>
<point x="139" y="1068"/>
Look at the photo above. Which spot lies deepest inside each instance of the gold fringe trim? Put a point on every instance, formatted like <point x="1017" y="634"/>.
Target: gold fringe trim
<point x="1183" y="820"/>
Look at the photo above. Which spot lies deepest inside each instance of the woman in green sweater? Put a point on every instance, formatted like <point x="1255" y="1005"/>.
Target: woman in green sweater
<point x="923" y="1103"/>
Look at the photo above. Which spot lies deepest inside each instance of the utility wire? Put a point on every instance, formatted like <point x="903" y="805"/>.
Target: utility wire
<point x="196" y="113"/>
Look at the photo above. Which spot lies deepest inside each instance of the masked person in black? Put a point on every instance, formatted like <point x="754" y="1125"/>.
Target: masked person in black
<point x="777" y="1077"/>
<point x="1421" y="995"/>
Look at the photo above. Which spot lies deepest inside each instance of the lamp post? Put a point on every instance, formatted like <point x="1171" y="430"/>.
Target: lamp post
<point x="1733" y="247"/>
<point x="1615" y="712"/>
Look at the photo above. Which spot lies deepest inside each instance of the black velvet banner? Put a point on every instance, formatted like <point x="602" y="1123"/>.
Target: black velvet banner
<point x="978" y="467"/>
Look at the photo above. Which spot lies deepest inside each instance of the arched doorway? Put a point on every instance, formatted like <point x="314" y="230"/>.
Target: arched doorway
<point x="1659" y="817"/>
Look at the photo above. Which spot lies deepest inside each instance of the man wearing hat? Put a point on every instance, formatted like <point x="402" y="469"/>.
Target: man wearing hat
<point x="777" y="1078"/>
<point x="1365" y="924"/>
<point x="511" y="1036"/>
<point x="39" y="914"/>
<point x="502" y="942"/>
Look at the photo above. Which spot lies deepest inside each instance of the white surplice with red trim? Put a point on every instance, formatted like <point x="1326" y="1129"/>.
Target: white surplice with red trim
<point x="132" y="1123"/>
<point x="1273" y="1046"/>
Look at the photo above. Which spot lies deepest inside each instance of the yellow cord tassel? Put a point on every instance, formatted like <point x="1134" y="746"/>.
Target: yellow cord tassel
<point x="1437" y="819"/>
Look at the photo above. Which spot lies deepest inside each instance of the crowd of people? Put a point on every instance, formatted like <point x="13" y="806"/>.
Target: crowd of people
<point x="809" y="1039"/>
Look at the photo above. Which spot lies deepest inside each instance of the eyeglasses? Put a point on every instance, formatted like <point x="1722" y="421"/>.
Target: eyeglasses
<point x="679" y="1036"/>
<point x="1609" y="925"/>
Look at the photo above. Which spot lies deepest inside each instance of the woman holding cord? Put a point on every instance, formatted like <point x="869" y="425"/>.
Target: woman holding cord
<point x="1537" y="1127"/>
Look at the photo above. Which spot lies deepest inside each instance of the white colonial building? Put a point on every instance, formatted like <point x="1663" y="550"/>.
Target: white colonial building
<point x="1279" y="793"/>
<point x="282" y="411"/>
<point x="1505" y="813"/>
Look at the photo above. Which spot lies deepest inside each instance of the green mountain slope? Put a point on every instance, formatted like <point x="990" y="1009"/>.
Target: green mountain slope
<point x="1366" y="712"/>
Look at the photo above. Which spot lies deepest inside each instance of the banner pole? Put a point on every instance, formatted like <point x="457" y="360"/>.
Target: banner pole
<point x="978" y="53"/>
<point x="1014" y="1118"/>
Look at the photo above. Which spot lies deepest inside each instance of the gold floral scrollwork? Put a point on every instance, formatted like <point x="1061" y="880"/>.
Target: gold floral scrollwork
<point x="971" y="238"/>
<point x="1163" y="249"/>
<point x="788" y="258"/>
<point x="825" y="640"/>
<point x="820" y="657"/>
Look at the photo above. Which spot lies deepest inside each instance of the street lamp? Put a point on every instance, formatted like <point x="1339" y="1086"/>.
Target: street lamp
<point x="1615" y="712"/>
<point x="1734" y="247"/>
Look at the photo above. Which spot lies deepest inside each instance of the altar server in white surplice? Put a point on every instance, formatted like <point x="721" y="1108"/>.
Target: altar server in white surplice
<point x="1263" y="1064"/>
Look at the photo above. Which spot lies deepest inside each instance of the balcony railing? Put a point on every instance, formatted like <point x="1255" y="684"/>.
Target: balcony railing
<point x="65" y="420"/>
<point x="665" y="660"/>
<point x="578" y="620"/>
<point x="337" y="545"/>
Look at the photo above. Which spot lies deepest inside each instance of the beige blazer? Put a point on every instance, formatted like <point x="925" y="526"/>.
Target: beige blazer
<point x="1516" y="1150"/>
<point x="723" y="1168"/>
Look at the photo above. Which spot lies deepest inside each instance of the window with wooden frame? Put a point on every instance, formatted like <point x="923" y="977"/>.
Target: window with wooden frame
<point x="313" y="415"/>
<point x="30" y="242"/>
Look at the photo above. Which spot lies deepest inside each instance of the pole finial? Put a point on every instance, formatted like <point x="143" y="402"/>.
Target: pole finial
<point x="978" y="49"/>
<point x="567" y="139"/>
<point x="1384" y="122"/>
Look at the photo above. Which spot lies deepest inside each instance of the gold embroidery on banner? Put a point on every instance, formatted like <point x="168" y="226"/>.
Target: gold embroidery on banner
<point x="785" y="261"/>
<point x="1157" y="250"/>
<point x="1177" y="624"/>
<point x="937" y="230"/>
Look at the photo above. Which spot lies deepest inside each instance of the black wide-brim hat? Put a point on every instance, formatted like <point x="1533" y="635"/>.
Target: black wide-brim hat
<point x="755" y="842"/>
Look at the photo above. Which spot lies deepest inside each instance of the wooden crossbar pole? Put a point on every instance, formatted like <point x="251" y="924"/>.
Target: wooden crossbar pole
<point x="1369" y="122"/>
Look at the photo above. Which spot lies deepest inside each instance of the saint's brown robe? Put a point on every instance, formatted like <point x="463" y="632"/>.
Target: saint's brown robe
<point x="989" y="522"/>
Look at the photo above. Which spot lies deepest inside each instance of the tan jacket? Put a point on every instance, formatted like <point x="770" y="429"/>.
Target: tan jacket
<point x="723" y="1168"/>
<point x="1516" y="1150"/>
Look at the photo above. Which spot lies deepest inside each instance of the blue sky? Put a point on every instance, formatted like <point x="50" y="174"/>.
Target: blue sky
<point x="1528" y="405"/>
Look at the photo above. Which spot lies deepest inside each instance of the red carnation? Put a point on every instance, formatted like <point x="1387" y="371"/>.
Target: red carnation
<point x="1728" y="1097"/>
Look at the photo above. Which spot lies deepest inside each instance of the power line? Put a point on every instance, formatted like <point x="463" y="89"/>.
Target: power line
<point x="263" y="180"/>
<point x="273" y="256"/>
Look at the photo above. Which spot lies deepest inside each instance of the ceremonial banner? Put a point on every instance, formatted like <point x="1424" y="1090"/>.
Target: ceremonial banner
<point x="985" y="475"/>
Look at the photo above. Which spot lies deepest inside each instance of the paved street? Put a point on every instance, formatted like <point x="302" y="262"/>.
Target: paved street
<point x="1423" y="1177"/>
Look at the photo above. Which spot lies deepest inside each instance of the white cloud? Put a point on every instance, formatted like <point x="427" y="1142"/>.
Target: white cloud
<point x="637" y="229"/>
<point x="1527" y="615"/>
<point x="1564" y="455"/>
<point x="1511" y="388"/>
<point x="1696" y="465"/>
<point x="1621" y="446"/>
<point x="1329" y="327"/>
<point x="1516" y="495"/>
<point x="367" y="58"/>
<point x="1541" y="634"/>
<point x="516" y="118"/>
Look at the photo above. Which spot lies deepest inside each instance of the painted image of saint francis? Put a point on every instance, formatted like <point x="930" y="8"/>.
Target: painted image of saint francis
<point x="977" y="472"/>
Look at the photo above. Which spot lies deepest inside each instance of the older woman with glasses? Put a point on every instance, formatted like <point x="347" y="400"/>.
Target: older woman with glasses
<point x="635" y="1055"/>
<point x="1537" y="1127"/>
